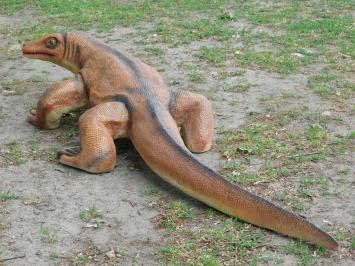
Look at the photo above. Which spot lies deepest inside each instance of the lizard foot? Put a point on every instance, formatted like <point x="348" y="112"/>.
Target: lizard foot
<point x="70" y="157"/>
<point x="37" y="119"/>
<point x="71" y="151"/>
<point x="32" y="117"/>
<point x="73" y="157"/>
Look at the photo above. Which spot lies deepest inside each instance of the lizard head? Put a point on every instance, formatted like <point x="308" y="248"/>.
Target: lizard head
<point x="53" y="48"/>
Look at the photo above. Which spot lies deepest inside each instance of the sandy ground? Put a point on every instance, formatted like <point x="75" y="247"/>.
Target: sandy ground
<point x="52" y="196"/>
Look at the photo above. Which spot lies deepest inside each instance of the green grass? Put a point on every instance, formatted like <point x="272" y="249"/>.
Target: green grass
<point x="154" y="51"/>
<point x="90" y="213"/>
<point x="151" y="191"/>
<point x="211" y="246"/>
<point x="19" y="87"/>
<point x="299" y="37"/>
<point x="309" y="38"/>
<point x="4" y="225"/>
<point x="290" y="151"/>
<point x="227" y="74"/>
<point x="176" y="214"/>
<point x="7" y="195"/>
<point x="267" y="259"/>
<point x="47" y="236"/>
<point x="53" y="256"/>
<point x="327" y="85"/>
<point x="306" y="29"/>
<point x="238" y="88"/>
<point x="322" y="182"/>
<point x="196" y="76"/>
<point x="103" y="15"/>
<point x="291" y="202"/>
<point x="252" y="140"/>
<point x="180" y="209"/>
<point x="184" y="32"/>
<point x="282" y="61"/>
<point x="82" y="258"/>
<point x="212" y="55"/>
<point x="353" y="242"/>
<point x="301" y="251"/>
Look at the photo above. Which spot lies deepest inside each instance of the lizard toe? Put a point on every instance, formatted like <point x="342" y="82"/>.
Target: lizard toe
<point x="31" y="118"/>
<point x="71" y="152"/>
<point x="68" y="160"/>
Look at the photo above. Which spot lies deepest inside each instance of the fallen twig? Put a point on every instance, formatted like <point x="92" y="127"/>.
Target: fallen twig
<point x="13" y="258"/>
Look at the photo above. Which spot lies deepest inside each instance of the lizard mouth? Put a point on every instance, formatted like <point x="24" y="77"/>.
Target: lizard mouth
<point x="27" y="53"/>
<point x="33" y="51"/>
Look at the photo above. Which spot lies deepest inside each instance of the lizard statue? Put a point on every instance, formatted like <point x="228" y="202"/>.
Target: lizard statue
<point x="129" y="99"/>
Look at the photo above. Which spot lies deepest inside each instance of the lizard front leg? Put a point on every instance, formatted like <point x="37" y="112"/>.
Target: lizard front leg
<point x="59" y="99"/>
<point x="98" y="127"/>
<point x="193" y="112"/>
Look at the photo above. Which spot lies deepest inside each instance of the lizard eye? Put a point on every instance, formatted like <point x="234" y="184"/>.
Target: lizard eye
<point x="52" y="43"/>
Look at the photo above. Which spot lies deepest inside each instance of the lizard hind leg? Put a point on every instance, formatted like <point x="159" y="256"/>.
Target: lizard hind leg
<point x="98" y="127"/>
<point x="193" y="112"/>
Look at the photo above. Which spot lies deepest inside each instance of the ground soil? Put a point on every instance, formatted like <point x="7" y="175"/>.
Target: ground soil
<point x="62" y="192"/>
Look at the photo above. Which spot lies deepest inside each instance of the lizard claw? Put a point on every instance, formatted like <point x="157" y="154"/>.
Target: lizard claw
<point x="32" y="118"/>
<point x="72" y="151"/>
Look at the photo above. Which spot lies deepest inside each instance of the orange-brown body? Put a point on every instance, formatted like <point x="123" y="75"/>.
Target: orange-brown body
<point x="129" y="99"/>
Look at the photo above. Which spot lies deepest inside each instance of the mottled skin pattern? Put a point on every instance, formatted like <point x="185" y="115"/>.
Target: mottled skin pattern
<point x="129" y="99"/>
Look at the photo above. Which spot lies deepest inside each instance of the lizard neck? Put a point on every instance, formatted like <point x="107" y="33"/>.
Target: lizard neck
<point x="77" y="50"/>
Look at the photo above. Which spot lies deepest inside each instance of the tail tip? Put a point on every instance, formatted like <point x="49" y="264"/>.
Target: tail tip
<point x="331" y="244"/>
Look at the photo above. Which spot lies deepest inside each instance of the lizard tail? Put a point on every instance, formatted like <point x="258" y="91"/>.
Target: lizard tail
<point x="176" y="165"/>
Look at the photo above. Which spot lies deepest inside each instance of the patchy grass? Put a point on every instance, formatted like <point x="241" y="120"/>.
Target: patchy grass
<point x="7" y="195"/>
<point x="196" y="76"/>
<point x="211" y="246"/>
<point x="151" y="191"/>
<point x="39" y="200"/>
<point x="14" y="154"/>
<point x="280" y="37"/>
<point x="90" y="213"/>
<point x="281" y="61"/>
<point x="212" y="55"/>
<point x="253" y="140"/>
<point x="301" y="251"/>
<point x="47" y="236"/>
<point x="4" y="225"/>
<point x="91" y="255"/>
<point x="227" y="74"/>
<point x="239" y="88"/>
<point x="103" y="15"/>
<point x="19" y="87"/>
<point x="184" y="32"/>
<point x="327" y="85"/>
<point x="265" y="137"/>
<point x="93" y="217"/>
<point x="53" y="256"/>
<point x="80" y="258"/>
<point x="177" y="213"/>
<point x="321" y="181"/>
<point x="353" y="242"/>
<point x="154" y="51"/>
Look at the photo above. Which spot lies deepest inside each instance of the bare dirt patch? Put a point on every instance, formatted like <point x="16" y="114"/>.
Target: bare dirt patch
<point x="42" y="217"/>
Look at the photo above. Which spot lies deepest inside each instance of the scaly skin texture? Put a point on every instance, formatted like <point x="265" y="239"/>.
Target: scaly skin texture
<point x="129" y="99"/>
